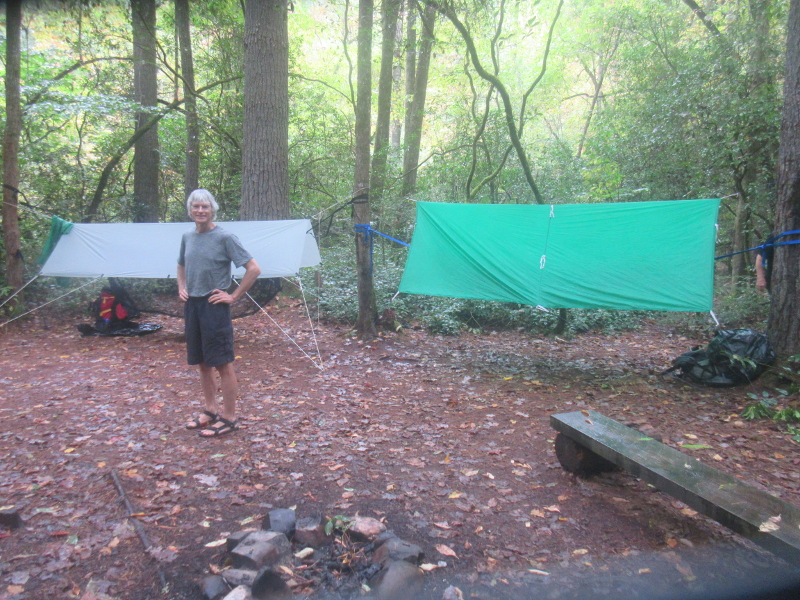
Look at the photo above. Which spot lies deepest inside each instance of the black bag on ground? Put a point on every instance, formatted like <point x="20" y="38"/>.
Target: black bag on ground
<point x="733" y="357"/>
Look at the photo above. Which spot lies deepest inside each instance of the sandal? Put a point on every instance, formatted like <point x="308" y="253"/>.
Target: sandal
<point x="198" y="424"/>
<point x="224" y="429"/>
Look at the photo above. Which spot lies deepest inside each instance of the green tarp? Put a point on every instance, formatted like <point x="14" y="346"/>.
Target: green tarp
<point x="58" y="227"/>
<point x="633" y="255"/>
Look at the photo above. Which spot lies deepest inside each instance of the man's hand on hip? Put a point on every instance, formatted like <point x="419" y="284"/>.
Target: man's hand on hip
<point x="221" y="297"/>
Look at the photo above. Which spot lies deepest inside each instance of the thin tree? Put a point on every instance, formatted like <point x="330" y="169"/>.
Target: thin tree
<point x="416" y="113"/>
<point x="192" y="160"/>
<point x="13" y="128"/>
<point x="383" y="122"/>
<point x="146" y="157"/>
<point x="265" y="143"/>
<point x="367" y="311"/>
<point x="784" y="314"/>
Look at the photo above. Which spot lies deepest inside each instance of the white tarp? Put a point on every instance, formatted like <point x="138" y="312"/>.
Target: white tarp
<point x="150" y="250"/>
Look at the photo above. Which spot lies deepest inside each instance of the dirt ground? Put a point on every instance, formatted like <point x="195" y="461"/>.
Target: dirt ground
<point x="445" y="439"/>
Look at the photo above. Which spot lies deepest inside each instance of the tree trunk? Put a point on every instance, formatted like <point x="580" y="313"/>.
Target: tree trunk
<point x="784" y="314"/>
<point x="411" y="64"/>
<point x="265" y="143"/>
<point x="146" y="158"/>
<point x="14" y="264"/>
<point x="414" y="122"/>
<point x="192" y="161"/>
<point x="367" y="310"/>
<point x="759" y="85"/>
<point x="381" y="149"/>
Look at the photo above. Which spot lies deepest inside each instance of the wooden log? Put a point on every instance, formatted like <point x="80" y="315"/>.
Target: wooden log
<point x="578" y="459"/>
<point x="750" y="512"/>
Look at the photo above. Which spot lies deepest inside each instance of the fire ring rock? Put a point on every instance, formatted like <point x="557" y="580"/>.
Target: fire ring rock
<point x="260" y="549"/>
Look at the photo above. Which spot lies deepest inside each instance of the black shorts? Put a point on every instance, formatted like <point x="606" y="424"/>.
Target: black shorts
<point x="209" y="332"/>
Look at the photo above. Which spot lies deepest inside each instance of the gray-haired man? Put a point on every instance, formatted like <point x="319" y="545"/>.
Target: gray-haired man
<point x="204" y="273"/>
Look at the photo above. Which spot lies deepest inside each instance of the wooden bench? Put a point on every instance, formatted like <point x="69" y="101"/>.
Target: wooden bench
<point x="590" y="442"/>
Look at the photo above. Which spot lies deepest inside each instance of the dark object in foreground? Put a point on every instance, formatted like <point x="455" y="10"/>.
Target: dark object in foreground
<point x="131" y="328"/>
<point x="10" y="519"/>
<point x="759" y="516"/>
<point x="733" y="357"/>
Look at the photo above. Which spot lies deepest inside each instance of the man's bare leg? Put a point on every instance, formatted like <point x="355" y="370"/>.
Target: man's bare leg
<point x="208" y="381"/>
<point x="230" y="391"/>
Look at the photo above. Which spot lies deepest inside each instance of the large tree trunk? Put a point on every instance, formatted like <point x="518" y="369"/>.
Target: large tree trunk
<point x="784" y="314"/>
<point x="367" y="311"/>
<point x="192" y="164"/>
<point x="14" y="264"/>
<point x="265" y="143"/>
<point x="414" y="129"/>
<point x="382" y="127"/>
<point x="146" y="159"/>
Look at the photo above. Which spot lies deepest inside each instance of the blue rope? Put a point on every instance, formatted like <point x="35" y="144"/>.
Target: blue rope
<point x="367" y="230"/>
<point x="765" y="245"/>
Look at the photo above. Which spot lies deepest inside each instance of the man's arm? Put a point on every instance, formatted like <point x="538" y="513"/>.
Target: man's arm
<point x="252" y="271"/>
<point x="761" y="279"/>
<point x="184" y="295"/>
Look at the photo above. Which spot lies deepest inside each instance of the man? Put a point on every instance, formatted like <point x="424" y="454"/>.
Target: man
<point x="764" y="258"/>
<point x="204" y="273"/>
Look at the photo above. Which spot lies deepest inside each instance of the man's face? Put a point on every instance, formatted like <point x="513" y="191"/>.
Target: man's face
<point x="201" y="212"/>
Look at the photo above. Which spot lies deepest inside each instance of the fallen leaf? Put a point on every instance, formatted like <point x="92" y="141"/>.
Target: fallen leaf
<point x="580" y="552"/>
<point x="215" y="543"/>
<point x="643" y="571"/>
<point x="446" y="550"/>
<point x="428" y="567"/>
<point x="770" y="524"/>
<point x="553" y="508"/>
<point x="454" y="495"/>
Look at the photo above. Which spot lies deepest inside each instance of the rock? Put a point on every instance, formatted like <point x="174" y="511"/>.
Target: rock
<point x="398" y="580"/>
<point x="397" y="549"/>
<point x="10" y="519"/>
<point x="234" y="538"/>
<point x="365" y="529"/>
<point x="214" y="587"/>
<point x="453" y="593"/>
<point x="240" y="593"/>
<point x="310" y="531"/>
<point x="384" y="537"/>
<point x="261" y="548"/>
<point x="268" y="585"/>
<point x="236" y="577"/>
<point x="281" y="520"/>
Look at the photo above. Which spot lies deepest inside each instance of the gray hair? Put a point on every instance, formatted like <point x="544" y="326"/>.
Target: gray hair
<point x="201" y="195"/>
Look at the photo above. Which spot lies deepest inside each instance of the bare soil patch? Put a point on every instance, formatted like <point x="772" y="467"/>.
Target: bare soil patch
<point x="446" y="439"/>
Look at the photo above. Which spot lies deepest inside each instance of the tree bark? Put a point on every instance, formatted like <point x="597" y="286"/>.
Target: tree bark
<point x="146" y="157"/>
<point x="413" y="136"/>
<point x="265" y="143"/>
<point x="784" y="316"/>
<point x="411" y="64"/>
<point x="759" y="83"/>
<point x="13" y="128"/>
<point x="367" y="310"/>
<point x="383" y="122"/>
<point x="191" y="172"/>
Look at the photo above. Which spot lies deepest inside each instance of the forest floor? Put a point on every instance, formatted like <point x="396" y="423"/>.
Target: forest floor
<point x="445" y="439"/>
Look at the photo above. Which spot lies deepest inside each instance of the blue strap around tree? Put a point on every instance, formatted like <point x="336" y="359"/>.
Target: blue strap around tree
<point x="367" y="230"/>
<point x="767" y="244"/>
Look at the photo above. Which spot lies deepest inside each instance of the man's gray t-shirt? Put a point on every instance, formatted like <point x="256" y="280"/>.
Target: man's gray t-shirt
<point x="207" y="257"/>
